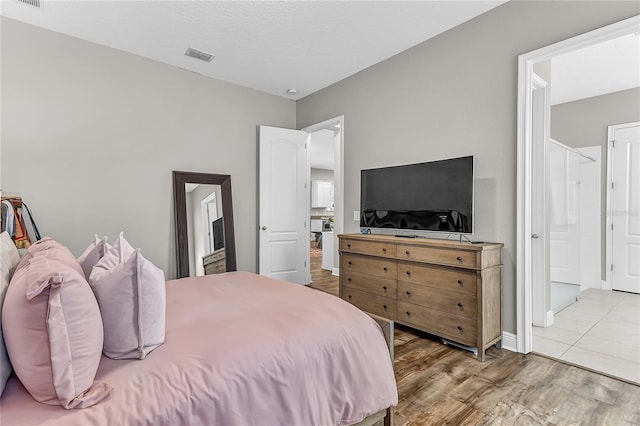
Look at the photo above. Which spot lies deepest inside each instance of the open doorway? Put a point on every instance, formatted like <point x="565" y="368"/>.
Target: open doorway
<point x="565" y="309"/>
<point x="325" y="205"/>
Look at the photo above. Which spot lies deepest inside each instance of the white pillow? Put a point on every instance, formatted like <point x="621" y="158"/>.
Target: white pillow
<point x="92" y="254"/>
<point x="131" y="294"/>
<point x="114" y="255"/>
<point x="9" y="258"/>
<point x="9" y="255"/>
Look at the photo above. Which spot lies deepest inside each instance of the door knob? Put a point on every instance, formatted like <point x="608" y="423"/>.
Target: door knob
<point x="534" y="236"/>
<point x="264" y="228"/>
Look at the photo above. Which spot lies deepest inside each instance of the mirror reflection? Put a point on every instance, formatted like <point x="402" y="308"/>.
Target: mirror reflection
<point x="204" y="224"/>
<point x="205" y="229"/>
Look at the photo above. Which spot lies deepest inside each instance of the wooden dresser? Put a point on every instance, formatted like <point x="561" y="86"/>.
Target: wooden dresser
<point x="215" y="263"/>
<point x="443" y="287"/>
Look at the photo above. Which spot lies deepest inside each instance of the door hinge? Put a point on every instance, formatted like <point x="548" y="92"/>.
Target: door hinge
<point x="613" y="143"/>
<point x="305" y="224"/>
<point x="612" y="226"/>
<point x="612" y="267"/>
<point x="305" y="263"/>
<point x="305" y="185"/>
<point x="611" y="185"/>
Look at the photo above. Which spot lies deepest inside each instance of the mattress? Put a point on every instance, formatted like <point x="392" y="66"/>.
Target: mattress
<point x="240" y="349"/>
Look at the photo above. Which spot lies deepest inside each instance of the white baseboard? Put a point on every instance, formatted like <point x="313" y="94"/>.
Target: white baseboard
<point x="549" y="318"/>
<point x="509" y="341"/>
<point x="336" y="272"/>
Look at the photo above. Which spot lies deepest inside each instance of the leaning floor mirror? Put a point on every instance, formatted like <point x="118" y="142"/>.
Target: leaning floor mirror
<point x="205" y="242"/>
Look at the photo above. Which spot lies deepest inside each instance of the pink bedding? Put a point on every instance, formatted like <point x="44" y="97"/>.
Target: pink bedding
<point x="240" y="349"/>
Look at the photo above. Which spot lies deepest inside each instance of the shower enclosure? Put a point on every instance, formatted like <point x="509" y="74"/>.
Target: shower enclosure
<point x="574" y="210"/>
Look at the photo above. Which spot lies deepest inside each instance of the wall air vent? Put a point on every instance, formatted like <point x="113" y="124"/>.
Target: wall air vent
<point x="198" y="54"/>
<point x="34" y="3"/>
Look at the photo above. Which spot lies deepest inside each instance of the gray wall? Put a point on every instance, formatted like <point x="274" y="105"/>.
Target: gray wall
<point x="455" y="95"/>
<point x="584" y="123"/>
<point x="90" y="136"/>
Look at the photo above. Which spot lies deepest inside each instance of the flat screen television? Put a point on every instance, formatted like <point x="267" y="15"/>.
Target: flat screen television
<point x="432" y="196"/>
<point x="218" y="233"/>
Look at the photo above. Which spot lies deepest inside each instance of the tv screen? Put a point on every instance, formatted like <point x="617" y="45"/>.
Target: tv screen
<point x="432" y="196"/>
<point x="218" y="233"/>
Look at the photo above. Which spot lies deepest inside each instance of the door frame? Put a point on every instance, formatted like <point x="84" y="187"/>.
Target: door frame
<point x="338" y="212"/>
<point x="525" y="163"/>
<point x="611" y="130"/>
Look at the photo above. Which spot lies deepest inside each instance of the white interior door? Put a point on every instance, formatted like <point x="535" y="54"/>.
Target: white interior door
<point x="625" y="208"/>
<point x="283" y="205"/>
<point x="539" y="274"/>
<point x="564" y="226"/>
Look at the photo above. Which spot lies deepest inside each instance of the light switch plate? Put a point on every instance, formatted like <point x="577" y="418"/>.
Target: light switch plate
<point x="356" y="215"/>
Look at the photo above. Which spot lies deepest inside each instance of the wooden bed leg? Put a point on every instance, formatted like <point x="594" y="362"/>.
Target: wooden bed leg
<point x="387" y="326"/>
<point x="388" y="419"/>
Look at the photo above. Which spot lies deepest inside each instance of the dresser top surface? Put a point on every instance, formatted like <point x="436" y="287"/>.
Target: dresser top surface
<point x="421" y="241"/>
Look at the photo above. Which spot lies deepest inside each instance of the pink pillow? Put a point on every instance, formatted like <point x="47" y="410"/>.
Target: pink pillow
<point x="93" y="254"/>
<point x="53" y="329"/>
<point x="131" y="294"/>
<point x="54" y="250"/>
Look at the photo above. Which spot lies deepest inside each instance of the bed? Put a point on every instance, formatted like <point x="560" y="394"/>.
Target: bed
<point x="240" y="349"/>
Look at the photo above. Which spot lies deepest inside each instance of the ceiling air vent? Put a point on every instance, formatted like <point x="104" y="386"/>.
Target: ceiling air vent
<point x="34" y="3"/>
<point x="196" y="54"/>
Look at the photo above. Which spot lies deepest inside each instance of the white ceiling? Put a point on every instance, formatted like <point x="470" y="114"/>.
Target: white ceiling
<point x="266" y="45"/>
<point x="606" y="67"/>
<point x="321" y="149"/>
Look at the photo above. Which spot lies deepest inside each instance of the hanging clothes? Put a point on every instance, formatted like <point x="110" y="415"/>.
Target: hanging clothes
<point x="15" y="217"/>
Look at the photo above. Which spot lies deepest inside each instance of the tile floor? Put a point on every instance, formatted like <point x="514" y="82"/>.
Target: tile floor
<point x="600" y="331"/>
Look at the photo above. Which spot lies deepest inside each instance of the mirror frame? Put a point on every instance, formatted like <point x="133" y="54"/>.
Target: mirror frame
<point x="180" y="214"/>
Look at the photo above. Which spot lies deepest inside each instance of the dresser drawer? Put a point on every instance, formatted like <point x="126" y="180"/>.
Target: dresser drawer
<point x="217" y="267"/>
<point x="369" y="283"/>
<point x="455" y="327"/>
<point x="372" y="303"/>
<point x="440" y="256"/>
<point x="459" y="280"/>
<point x="457" y="303"/>
<point x="368" y="247"/>
<point x="369" y="265"/>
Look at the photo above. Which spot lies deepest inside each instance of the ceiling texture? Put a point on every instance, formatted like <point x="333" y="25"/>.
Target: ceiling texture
<point x="271" y="46"/>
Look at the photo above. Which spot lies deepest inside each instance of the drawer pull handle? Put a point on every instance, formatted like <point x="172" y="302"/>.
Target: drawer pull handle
<point x="349" y="296"/>
<point x="408" y="313"/>
<point x="385" y="307"/>
<point x="349" y="263"/>
<point x="460" y="329"/>
<point x="460" y="306"/>
<point x="384" y="250"/>
<point x="459" y="259"/>
<point x="384" y="269"/>
<point x="408" y="272"/>
<point x="348" y="245"/>
<point x="349" y="279"/>
<point x="409" y="293"/>
<point x="407" y="252"/>
<point x="384" y="287"/>
<point x="461" y="283"/>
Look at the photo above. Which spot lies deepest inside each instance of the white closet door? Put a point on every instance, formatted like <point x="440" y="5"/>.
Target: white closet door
<point x="626" y="209"/>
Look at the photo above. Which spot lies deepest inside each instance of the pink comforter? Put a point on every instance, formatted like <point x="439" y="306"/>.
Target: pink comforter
<point x="240" y="349"/>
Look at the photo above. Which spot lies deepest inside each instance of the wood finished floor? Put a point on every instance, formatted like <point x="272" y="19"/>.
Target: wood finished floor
<point x="440" y="385"/>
